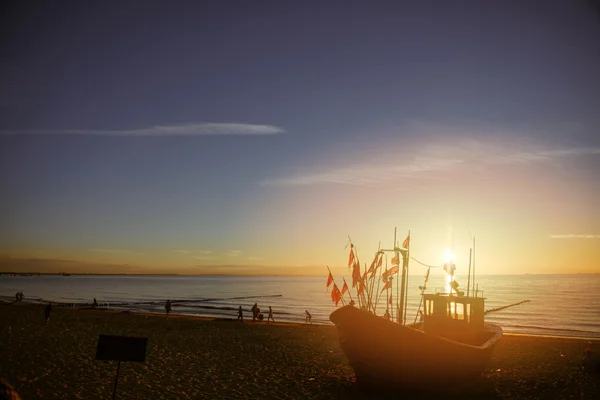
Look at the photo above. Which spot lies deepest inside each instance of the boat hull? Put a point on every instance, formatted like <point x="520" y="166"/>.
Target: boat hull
<point x="384" y="354"/>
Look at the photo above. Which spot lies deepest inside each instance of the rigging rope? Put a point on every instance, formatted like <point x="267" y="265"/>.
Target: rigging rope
<point x="427" y="265"/>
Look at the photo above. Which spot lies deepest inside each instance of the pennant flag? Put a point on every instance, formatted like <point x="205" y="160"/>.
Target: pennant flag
<point x="355" y="274"/>
<point x="390" y="300"/>
<point x="396" y="260"/>
<point x="427" y="275"/>
<point x="387" y="286"/>
<point x="361" y="287"/>
<point x="336" y="296"/>
<point x="373" y="264"/>
<point x="380" y="261"/>
<point x="388" y="273"/>
<point x="345" y="287"/>
<point x="351" y="258"/>
<point x="329" y="280"/>
<point x="406" y="242"/>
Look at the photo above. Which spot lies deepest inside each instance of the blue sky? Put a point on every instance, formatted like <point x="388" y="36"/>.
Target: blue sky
<point x="183" y="136"/>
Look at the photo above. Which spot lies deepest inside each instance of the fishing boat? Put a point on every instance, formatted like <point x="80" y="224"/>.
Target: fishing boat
<point x="449" y="346"/>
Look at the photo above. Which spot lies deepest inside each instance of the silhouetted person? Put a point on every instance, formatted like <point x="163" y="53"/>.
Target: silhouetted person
<point x="7" y="392"/>
<point x="351" y="303"/>
<point x="168" y="307"/>
<point x="240" y="315"/>
<point x="255" y="311"/>
<point x="95" y="303"/>
<point x="270" y="316"/>
<point x="47" y="311"/>
<point x="386" y="316"/>
<point x="308" y="317"/>
<point x="17" y="295"/>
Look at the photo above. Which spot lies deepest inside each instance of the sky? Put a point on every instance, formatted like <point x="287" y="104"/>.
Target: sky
<point x="256" y="137"/>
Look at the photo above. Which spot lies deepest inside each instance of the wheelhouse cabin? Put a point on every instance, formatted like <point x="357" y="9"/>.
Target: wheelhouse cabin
<point x="454" y="317"/>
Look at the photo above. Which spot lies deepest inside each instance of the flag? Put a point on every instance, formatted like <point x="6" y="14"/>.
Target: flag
<point x="427" y="275"/>
<point x="355" y="274"/>
<point x="387" y="286"/>
<point x="406" y="242"/>
<point x="329" y="279"/>
<point x="361" y="287"/>
<point x="377" y="265"/>
<point x="390" y="300"/>
<point x="373" y="264"/>
<point x="345" y="287"/>
<point x="388" y="273"/>
<point x="336" y="296"/>
<point x="396" y="259"/>
<point x="351" y="258"/>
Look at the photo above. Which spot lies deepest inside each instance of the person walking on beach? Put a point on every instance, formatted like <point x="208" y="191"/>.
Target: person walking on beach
<point x="240" y="315"/>
<point x="47" y="311"/>
<point x="17" y="295"/>
<point x="270" y="316"/>
<point x="168" y="307"/>
<point x="308" y="317"/>
<point x="95" y="303"/>
<point x="254" y="312"/>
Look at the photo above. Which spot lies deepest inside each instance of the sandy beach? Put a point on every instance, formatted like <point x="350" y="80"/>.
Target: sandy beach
<point x="199" y="358"/>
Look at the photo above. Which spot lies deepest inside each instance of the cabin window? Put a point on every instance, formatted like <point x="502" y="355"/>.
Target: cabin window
<point x="468" y="312"/>
<point x="459" y="311"/>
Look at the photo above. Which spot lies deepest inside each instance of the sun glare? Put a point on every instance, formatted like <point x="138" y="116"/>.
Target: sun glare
<point x="449" y="256"/>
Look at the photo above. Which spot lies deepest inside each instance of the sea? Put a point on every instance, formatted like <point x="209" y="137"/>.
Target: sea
<point x="550" y="305"/>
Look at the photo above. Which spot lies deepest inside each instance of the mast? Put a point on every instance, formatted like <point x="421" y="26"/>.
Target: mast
<point x="474" y="291"/>
<point x="469" y="278"/>
<point x="402" y="289"/>
<point x="406" y="288"/>
<point x="399" y="315"/>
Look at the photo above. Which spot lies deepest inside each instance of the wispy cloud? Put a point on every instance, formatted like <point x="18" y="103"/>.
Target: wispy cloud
<point x="234" y="253"/>
<point x="190" y="129"/>
<point x="431" y="162"/>
<point x="204" y="257"/>
<point x="116" y="251"/>
<point x="183" y="251"/>
<point x="573" y="236"/>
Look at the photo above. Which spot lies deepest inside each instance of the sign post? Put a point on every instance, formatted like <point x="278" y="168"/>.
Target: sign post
<point x="121" y="348"/>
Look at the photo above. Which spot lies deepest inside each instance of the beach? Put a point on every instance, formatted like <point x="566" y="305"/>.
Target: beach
<point x="209" y="358"/>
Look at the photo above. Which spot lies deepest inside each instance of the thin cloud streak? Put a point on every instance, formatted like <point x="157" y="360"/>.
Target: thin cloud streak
<point x="573" y="236"/>
<point x="430" y="163"/>
<point x="115" y="251"/>
<point x="192" y="129"/>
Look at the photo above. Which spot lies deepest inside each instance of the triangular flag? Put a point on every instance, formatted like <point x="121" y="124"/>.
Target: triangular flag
<point x="388" y="273"/>
<point x="345" y="287"/>
<point x="336" y="296"/>
<point x="406" y="242"/>
<point x="355" y="274"/>
<point x="396" y="259"/>
<point x="329" y="280"/>
<point x="351" y="258"/>
<point x="387" y="286"/>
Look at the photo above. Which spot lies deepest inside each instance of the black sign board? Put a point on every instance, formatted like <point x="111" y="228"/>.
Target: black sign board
<point x="121" y="348"/>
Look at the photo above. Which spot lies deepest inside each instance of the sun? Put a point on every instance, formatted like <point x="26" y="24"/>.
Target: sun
<point x="448" y="256"/>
